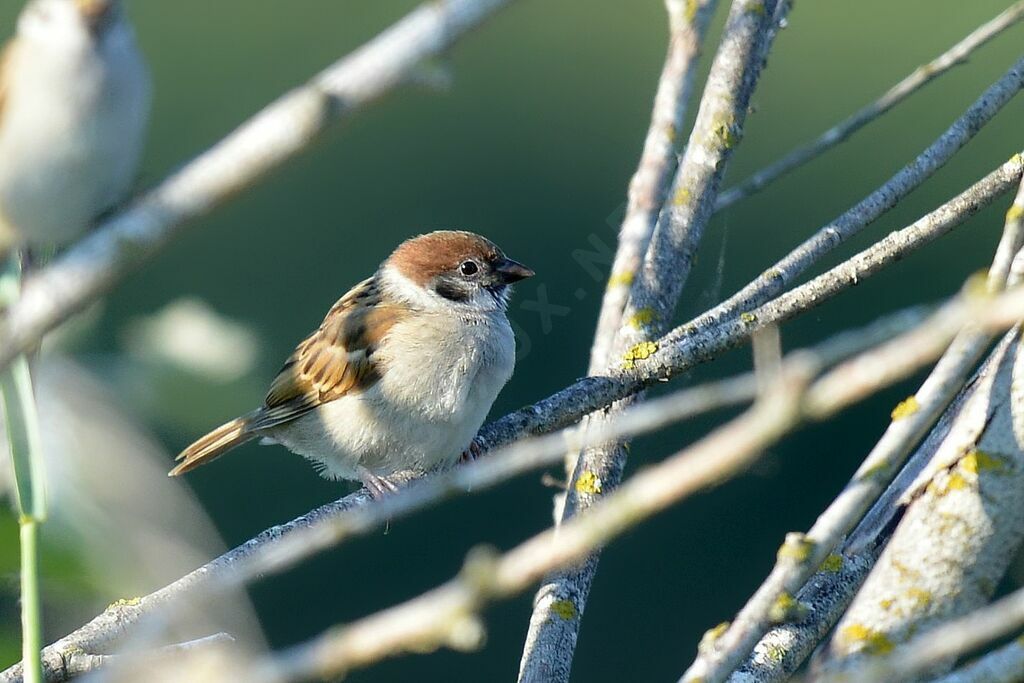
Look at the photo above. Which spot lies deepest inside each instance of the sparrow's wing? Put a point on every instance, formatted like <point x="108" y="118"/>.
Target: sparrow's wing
<point x="336" y="360"/>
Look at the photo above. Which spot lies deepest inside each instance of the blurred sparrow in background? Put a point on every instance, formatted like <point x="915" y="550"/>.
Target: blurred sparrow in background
<point x="74" y="103"/>
<point x="402" y="371"/>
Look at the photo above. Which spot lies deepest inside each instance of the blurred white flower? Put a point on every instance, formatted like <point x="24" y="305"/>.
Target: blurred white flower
<point x="190" y="335"/>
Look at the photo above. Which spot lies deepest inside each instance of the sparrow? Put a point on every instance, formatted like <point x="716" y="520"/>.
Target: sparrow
<point x="74" y="104"/>
<point x="401" y="373"/>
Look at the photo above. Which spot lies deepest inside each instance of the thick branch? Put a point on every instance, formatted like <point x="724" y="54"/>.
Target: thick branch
<point x="688" y="23"/>
<point x="551" y="641"/>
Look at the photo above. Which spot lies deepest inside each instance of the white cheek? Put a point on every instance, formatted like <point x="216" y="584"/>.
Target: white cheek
<point x="404" y="289"/>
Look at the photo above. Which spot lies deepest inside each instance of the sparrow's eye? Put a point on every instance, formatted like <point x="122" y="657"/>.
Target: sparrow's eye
<point x="469" y="268"/>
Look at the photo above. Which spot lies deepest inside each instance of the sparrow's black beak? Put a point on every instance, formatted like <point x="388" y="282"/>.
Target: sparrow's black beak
<point x="510" y="271"/>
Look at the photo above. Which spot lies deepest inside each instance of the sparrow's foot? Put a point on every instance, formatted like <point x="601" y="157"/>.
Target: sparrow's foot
<point x="377" y="485"/>
<point x="474" y="451"/>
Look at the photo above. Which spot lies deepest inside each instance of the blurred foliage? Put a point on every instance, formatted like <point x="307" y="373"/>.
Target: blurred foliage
<point x="533" y="146"/>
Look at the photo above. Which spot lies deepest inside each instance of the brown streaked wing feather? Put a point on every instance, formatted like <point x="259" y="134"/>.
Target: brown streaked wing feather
<point x="336" y="360"/>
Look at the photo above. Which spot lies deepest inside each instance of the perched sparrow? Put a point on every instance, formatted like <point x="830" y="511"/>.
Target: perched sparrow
<point x="74" y="103"/>
<point x="402" y="371"/>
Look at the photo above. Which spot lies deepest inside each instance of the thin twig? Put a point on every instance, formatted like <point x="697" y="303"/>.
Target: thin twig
<point x="921" y="76"/>
<point x="1003" y="665"/>
<point x="80" y="663"/>
<point x="264" y="142"/>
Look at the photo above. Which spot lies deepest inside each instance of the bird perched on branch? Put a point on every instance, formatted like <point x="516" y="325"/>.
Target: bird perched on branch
<point x="74" y="105"/>
<point x="402" y="371"/>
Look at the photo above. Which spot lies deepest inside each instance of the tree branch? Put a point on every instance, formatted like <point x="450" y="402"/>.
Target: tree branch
<point x="688" y="23"/>
<point x="921" y="76"/>
<point x="550" y="641"/>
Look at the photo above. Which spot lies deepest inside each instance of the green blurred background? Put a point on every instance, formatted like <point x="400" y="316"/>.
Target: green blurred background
<point x="532" y="146"/>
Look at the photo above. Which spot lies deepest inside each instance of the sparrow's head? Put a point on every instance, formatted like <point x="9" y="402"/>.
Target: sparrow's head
<point x="68" y="21"/>
<point x="450" y="267"/>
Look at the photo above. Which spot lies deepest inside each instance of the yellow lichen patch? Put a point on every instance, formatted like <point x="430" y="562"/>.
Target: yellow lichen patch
<point x="875" y="471"/>
<point x="797" y="547"/>
<point x="832" y="564"/>
<point x="724" y="128"/>
<point x="642" y="318"/>
<point x="125" y="602"/>
<point x="786" y="608"/>
<point x="859" y="637"/>
<point x="886" y="603"/>
<point x="690" y="10"/>
<point x="976" y="286"/>
<point x="623" y="278"/>
<point x="588" y="483"/>
<point x="1015" y="213"/>
<point x="905" y="408"/>
<point x="641" y="351"/>
<point x="747" y="317"/>
<point x="681" y="197"/>
<point x="775" y="653"/>
<point x="980" y="461"/>
<point x="954" y="481"/>
<point x="711" y="636"/>
<point x="756" y="8"/>
<point x="670" y="130"/>
<point x="920" y="597"/>
<point x="564" y="609"/>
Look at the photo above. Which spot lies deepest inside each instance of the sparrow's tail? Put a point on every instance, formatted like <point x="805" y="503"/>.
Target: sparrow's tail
<point x="216" y="443"/>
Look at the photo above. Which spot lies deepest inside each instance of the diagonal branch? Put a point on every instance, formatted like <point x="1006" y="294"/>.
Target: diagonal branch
<point x="921" y="76"/>
<point x="261" y="144"/>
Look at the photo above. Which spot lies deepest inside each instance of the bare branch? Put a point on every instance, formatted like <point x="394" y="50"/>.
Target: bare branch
<point x="274" y="135"/>
<point x="1004" y="665"/>
<point x="749" y="31"/>
<point x="688" y="23"/>
<point x="80" y="662"/>
<point x="943" y="643"/>
<point x="782" y="274"/>
<point x="958" y="54"/>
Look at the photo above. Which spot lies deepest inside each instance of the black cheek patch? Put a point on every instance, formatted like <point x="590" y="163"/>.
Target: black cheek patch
<point x="453" y="291"/>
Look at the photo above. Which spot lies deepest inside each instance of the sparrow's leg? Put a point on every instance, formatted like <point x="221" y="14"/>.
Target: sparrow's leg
<point x="472" y="452"/>
<point x="378" y="486"/>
